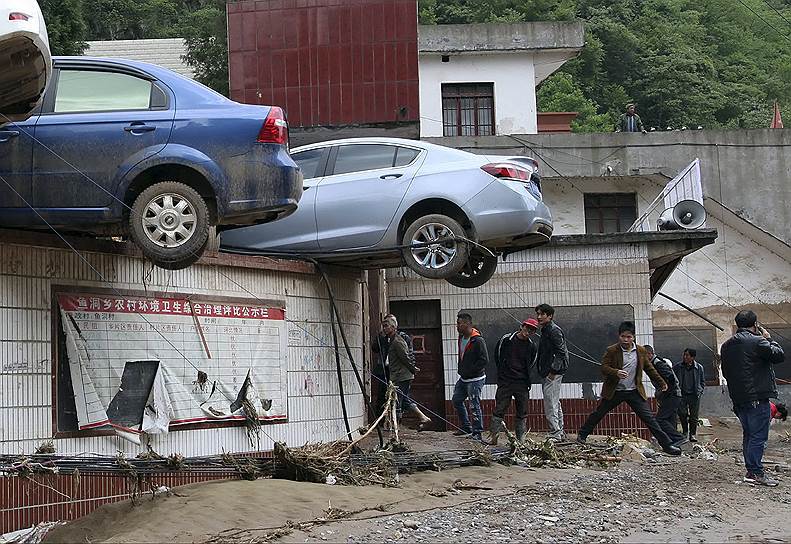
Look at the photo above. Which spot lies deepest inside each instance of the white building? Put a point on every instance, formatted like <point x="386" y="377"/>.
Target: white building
<point x="246" y="314"/>
<point x="480" y="80"/>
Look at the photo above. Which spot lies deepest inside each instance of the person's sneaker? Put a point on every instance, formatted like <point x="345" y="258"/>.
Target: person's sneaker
<point x="681" y="441"/>
<point x="476" y="436"/>
<point x="749" y="478"/>
<point x="581" y="439"/>
<point x="692" y="438"/>
<point x="763" y="479"/>
<point x="461" y="432"/>
<point x="672" y="450"/>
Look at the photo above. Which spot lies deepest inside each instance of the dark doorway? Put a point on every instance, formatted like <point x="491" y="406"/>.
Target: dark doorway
<point x="421" y="319"/>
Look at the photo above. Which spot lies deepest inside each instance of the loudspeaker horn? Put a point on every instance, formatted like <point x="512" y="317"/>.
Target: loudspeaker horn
<point x="687" y="214"/>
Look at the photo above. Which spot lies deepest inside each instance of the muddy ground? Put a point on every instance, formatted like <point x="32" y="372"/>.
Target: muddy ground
<point x="662" y="500"/>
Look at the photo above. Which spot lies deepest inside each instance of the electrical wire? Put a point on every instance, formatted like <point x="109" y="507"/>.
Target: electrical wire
<point x="767" y="23"/>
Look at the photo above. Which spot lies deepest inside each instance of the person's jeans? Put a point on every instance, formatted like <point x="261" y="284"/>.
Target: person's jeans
<point x="472" y="391"/>
<point x="755" y="418"/>
<point x="688" y="413"/>
<point x="667" y="416"/>
<point x="638" y="405"/>
<point x="404" y="401"/>
<point x="520" y="392"/>
<point x="552" y="408"/>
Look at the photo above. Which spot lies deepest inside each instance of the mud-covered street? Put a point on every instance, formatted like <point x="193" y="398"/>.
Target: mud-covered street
<point x="693" y="498"/>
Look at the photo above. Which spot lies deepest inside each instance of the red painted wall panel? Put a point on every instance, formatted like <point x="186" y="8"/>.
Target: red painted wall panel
<point x="326" y="62"/>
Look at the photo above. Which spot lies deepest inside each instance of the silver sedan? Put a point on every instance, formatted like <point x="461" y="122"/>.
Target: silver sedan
<point x="385" y="202"/>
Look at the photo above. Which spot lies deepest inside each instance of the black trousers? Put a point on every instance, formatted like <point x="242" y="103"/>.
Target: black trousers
<point x="688" y="413"/>
<point x="667" y="416"/>
<point x="502" y="399"/>
<point x="638" y="405"/>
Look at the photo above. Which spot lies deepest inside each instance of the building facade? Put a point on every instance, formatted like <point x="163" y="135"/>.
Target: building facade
<point x="107" y="293"/>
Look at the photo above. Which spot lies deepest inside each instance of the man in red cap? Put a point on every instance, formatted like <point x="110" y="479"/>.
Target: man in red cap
<point x="515" y="354"/>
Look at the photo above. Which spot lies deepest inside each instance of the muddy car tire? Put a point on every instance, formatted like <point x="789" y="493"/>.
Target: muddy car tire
<point x="438" y="261"/>
<point x="169" y="222"/>
<point x="478" y="269"/>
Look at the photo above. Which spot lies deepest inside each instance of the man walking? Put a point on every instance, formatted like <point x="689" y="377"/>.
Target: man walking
<point x="622" y="366"/>
<point x="692" y="381"/>
<point x="552" y="361"/>
<point x="668" y="401"/>
<point x="473" y="359"/>
<point x="747" y="359"/>
<point x="515" y="354"/>
<point x="402" y="370"/>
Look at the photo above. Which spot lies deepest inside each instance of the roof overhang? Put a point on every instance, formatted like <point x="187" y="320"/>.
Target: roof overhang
<point x="501" y="37"/>
<point x="666" y="249"/>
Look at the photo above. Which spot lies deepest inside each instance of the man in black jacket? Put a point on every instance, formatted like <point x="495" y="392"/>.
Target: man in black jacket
<point x="747" y="359"/>
<point x="515" y="354"/>
<point x="692" y="381"/>
<point x="473" y="359"/>
<point x="669" y="400"/>
<point x="553" y="361"/>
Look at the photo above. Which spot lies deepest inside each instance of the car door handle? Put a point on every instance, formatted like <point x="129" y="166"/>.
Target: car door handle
<point x="391" y="176"/>
<point x="141" y="127"/>
<point x="6" y="135"/>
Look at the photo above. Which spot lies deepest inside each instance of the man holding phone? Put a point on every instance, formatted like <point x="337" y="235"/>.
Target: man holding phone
<point x="748" y="358"/>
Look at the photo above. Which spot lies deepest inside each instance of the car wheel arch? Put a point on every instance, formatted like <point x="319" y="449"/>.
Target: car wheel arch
<point x="173" y="172"/>
<point x="436" y="206"/>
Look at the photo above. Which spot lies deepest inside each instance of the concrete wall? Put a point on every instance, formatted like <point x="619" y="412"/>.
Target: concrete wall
<point x="513" y="76"/>
<point x="28" y="272"/>
<point x="749" y="171"/>
<point x="165" y="52"/>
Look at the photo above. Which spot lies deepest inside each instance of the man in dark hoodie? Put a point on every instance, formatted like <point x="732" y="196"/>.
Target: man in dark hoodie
<point x="473" y="359"/>
<point x="515" y="355"/>
<point x="552" y="362"/>
<point x="669" y="401"/>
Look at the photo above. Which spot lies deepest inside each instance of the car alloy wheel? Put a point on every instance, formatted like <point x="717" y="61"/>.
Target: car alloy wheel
<point x="169" y="220"/>
<point x="434" y="246"/>
<point x="442" y="247"/>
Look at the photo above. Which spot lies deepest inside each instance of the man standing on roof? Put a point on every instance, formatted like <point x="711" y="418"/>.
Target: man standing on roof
<point x="515" y="354"/>
<point x="630" y="121"/>
<point x="473" y="359"/>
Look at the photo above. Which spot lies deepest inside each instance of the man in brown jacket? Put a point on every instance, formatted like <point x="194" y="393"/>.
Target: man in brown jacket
<point x="623" y="365"/>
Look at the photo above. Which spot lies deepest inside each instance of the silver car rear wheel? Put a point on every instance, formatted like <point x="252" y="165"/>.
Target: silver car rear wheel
<point x="437" y="248"/>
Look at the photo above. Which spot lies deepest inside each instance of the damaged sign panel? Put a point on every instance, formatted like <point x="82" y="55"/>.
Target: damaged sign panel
<point x="143" y="364"/>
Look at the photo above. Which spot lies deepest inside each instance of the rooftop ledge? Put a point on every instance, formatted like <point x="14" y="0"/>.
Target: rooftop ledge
<point x="487" y="37"/>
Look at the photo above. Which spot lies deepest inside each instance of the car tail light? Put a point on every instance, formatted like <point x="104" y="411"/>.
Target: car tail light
<point x="17" y="16"/>
<point x="275" y="128"/>
<point x="507" y="170"/>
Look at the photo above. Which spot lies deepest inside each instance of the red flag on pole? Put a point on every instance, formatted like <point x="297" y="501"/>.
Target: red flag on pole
<point x="777" y="120"/>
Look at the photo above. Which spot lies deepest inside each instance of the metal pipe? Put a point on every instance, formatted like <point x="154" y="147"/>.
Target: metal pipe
<point x="700" y="315"/>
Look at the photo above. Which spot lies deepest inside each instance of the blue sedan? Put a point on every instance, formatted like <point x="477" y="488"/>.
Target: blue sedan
<point x="125" y="148"/>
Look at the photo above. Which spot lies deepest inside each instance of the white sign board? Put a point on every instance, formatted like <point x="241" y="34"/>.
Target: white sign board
<point x="169" y="361"/>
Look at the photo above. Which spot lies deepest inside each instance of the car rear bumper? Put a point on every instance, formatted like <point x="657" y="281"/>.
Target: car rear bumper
<point x="263" y="185"/>
<point x="506" y="215"/>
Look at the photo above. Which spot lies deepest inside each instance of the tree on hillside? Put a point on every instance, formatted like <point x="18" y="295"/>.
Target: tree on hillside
<point x="206" y="34"/>
<point x="714" y="63"/>
<point x="65" y="26"/>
